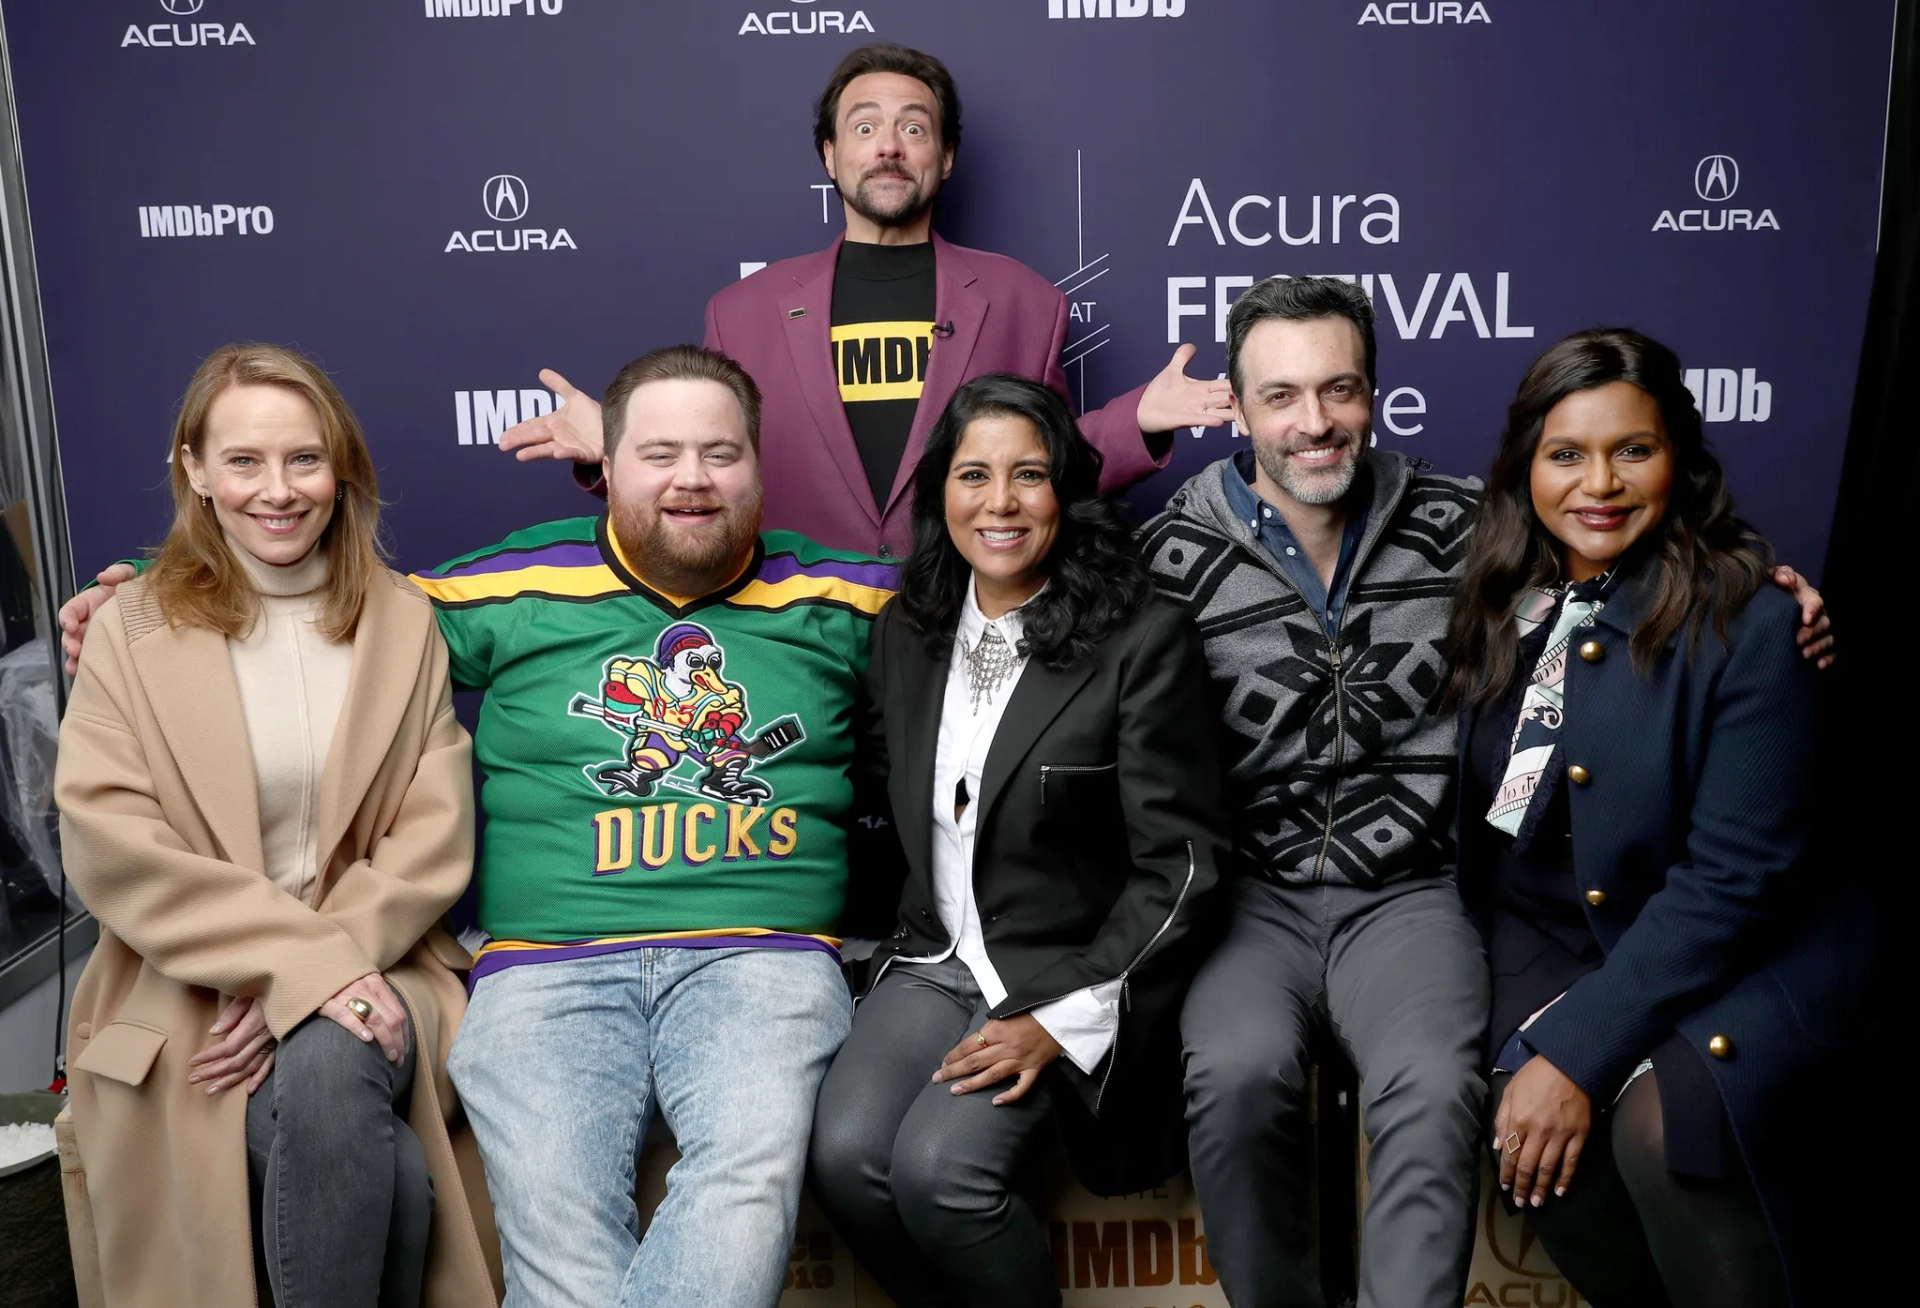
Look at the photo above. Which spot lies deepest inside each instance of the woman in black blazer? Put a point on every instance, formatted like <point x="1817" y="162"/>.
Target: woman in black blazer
<point x="1637" y="750"/>
<point x="1055" y="786"/>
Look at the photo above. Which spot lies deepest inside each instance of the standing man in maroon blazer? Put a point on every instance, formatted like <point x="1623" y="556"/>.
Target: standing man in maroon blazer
<point x="858" y="347"/>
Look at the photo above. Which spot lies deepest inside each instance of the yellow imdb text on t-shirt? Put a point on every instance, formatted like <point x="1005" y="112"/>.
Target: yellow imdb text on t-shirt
<point x="881" y="360"/>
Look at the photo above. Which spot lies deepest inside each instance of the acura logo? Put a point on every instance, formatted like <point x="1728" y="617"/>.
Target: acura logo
<point x="181" y="8"/>
<point x="506" y="198"/>
<point x="1519" y="1255"/>
<point x="1716" y="177"/>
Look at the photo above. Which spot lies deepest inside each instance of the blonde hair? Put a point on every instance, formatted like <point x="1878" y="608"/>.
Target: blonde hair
<point x="195" y="576"/>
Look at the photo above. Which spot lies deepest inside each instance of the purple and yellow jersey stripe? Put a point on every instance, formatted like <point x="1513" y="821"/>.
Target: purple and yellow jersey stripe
<point x="569" y="569"/>
<point x="773" y="580"/>
<point x="783" y="581"/>
<point x="498" y="954"/>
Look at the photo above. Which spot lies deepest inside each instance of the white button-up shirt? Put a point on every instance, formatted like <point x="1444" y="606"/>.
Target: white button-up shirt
<point x="1083" y="1022"/>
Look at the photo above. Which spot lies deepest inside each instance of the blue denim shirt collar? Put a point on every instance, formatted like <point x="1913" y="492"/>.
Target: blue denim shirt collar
<point x="1270" y="529"/>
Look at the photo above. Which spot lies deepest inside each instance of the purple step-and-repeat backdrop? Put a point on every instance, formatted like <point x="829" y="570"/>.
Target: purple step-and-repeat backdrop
<point x="1496" y="174"/>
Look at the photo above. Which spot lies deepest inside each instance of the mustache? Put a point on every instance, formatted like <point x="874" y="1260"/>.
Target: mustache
<point x="886" y="170"/>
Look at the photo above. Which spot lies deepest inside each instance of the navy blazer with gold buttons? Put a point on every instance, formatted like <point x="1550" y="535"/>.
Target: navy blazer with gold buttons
<point x="1693" y="849"/>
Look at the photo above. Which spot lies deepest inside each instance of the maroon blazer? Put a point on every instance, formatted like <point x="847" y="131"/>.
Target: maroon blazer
<point x="1006" y="318"/>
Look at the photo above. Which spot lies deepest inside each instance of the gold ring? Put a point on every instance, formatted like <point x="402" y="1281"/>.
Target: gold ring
<point x="1513" y="1142"/>
<point x="981" y="1037"/>
<point x="361" y="1009"/>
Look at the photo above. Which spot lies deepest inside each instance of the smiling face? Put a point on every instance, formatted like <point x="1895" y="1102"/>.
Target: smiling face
<point x="1602" y="475"/>
<point x="1305" y="405"/>
<point x="263" y="463"/>
<point x="886" y="156"/>
<point x="1002" y="513"/>
<point x="683" y="489"/>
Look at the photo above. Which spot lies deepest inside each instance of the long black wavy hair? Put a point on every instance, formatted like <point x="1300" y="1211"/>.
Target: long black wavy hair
<point x="1095" y="579"/>
<point x="1709" y="561"/>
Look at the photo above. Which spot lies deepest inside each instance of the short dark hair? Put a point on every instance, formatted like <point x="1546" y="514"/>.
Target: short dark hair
<point x="678" y="363"/>
<point x="1095" y="576"/>
<point x="1298" y="299"/>
<point x="889" y="58"/>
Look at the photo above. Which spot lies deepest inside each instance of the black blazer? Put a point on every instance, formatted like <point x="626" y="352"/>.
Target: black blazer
<point x="1692" y="846"/>
<point x="1098" y="842"/>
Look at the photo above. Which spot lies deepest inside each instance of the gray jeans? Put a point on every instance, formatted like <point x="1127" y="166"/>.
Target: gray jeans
<point x="919" y="1181"/>
<point x="337" y="1176"/>
<point x="1400" y="978"/>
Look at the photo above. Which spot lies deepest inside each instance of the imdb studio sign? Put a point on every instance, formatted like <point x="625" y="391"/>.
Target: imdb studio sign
<point x="437" y="198"/>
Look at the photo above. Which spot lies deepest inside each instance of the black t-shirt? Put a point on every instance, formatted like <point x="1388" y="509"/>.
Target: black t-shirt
<point x="882" y="335"/>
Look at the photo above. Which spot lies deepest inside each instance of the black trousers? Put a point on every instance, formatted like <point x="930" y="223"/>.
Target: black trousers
<point x="1631" y="1234"/>
<point x="920" y="1182"/>
<point x="340" y="1183"/>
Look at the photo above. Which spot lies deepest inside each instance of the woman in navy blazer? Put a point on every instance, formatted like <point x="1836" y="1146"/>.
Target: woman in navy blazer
<point x="1637" y="753"/>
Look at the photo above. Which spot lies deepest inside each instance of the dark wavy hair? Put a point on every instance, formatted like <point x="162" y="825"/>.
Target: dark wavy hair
<point x="1095" y="578"/>
<point x="1709" y="561"/>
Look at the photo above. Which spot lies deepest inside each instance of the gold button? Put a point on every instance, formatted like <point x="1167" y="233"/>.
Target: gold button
<point x="1578" y="775"/>
<point x="84" y="1030"/>
<point x="1720" y="1047"/>
<point x="1593" y="651"/>
<point x="1596" y="897"/>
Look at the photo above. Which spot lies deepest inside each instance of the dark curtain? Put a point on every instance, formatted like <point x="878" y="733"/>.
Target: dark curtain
<point x="1868" y="800"/>
<point x="1872" y="520"/>
<point x="1869" y="588"/>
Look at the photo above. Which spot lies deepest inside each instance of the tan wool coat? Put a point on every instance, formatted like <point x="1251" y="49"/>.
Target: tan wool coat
<point x="160" y="830"/>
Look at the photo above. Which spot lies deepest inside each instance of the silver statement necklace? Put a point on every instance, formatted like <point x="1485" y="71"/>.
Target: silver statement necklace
<point x="989" y="663"/>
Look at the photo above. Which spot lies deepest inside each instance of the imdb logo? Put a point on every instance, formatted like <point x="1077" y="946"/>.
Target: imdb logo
<point x="881" y="360"/>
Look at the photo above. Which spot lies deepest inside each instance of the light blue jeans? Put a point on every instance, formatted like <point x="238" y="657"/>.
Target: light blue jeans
<point x="560" y="1065"/>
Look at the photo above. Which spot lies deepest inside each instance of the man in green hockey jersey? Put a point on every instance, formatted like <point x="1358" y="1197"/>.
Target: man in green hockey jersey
<point x="666" y="742"/>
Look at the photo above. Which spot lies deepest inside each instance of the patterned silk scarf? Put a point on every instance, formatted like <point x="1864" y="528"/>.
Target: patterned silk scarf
<point x="1528" y="783"/>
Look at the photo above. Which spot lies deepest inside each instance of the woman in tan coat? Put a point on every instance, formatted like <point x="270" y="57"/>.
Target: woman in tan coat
<point x="265" y="800"/>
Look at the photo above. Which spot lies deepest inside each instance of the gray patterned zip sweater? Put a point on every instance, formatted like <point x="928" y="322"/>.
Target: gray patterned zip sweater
<point x="1340" y="766"/>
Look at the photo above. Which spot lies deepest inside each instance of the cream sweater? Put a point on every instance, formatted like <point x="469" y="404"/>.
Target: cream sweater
<point x="293" y="681"/>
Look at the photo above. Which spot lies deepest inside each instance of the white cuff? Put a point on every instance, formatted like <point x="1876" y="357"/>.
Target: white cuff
<point x="1084" y="1023"/>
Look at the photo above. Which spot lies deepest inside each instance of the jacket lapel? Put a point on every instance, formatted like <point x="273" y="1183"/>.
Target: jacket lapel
<point x="380" y="686"/>
<point x="806" y="318"/>
<point x="189" y="681"/>
<point x="957" y="299"/>
<point x="925" y="685"/>
<point x="1036" y="702"/>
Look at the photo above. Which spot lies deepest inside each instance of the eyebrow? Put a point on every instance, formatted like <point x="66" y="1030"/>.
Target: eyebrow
<point x="256" y="451"/>
<point x="1024" y="461"/>
<point x="677" y="443"/>
<point x="1624" y="438"/>
<point x="1266" y="388"/>
<point x="858" y="105"/>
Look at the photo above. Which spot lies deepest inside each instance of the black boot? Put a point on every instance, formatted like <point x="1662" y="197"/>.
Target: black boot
<point x="729" y="781"/>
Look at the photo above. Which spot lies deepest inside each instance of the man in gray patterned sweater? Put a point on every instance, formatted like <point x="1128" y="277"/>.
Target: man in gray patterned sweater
<point x="1321" y="572"/>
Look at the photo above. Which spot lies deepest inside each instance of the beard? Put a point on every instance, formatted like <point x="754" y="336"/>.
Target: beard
<point x="911" y="204"/>
<point x="1319" y="485"/>
<point x="681" y="559"/>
